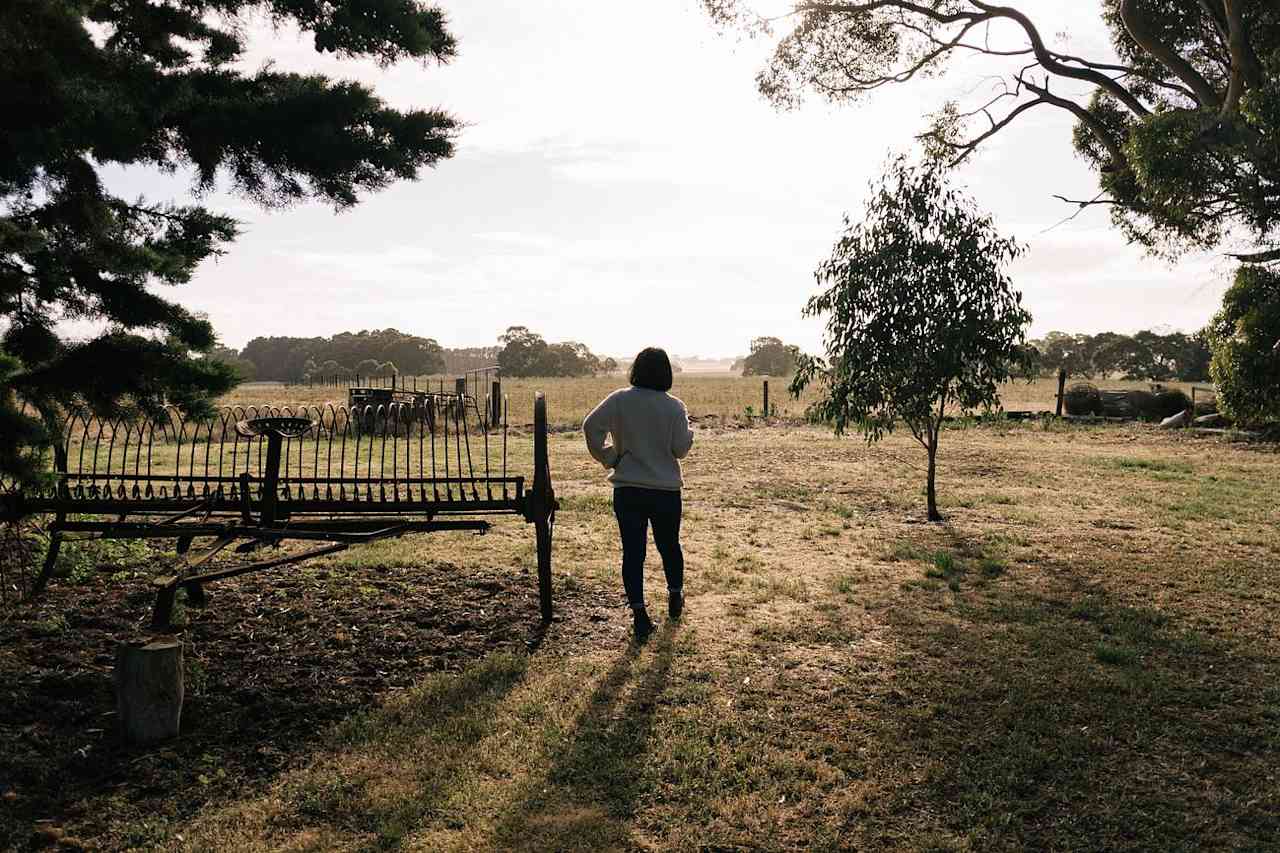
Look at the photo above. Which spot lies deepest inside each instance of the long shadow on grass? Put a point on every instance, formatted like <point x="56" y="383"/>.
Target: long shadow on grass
<point x="1073" y="721"/>
<point x="272" y="670"/>
<point x="586" y="798"/>
<point x="414" y="747"/>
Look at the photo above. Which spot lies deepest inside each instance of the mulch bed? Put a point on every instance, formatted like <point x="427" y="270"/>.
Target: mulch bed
<point x="270" y="665"/>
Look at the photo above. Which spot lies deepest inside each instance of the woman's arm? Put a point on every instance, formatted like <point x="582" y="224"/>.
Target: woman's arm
<point x="682" y="435"/>
<point x="596" y="426"/>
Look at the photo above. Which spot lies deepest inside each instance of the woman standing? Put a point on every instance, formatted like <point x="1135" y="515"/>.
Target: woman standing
<point x="650" y="431"/>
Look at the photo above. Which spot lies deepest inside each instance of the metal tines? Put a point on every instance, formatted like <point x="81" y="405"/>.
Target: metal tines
<point x="429" y="447"/>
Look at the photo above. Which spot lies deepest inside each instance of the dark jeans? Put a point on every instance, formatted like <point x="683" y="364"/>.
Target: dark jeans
<point x="636" y="508"/>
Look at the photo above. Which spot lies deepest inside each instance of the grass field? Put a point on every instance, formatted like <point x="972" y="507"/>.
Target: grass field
<point x="722" y="395"/>
<point x="1083" y="657"/>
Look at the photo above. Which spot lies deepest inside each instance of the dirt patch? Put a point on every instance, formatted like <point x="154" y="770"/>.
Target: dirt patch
<point x="270" y="665"/>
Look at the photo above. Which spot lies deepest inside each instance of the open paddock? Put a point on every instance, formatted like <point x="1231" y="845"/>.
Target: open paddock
<point x="719" y="394"/>
<point x="1084" y="656"/>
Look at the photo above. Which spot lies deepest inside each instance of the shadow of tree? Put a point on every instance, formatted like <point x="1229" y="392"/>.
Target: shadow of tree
<point x="390" y="767"/>
<point x="584" y="800"/>
<point x="1067" y="718"/>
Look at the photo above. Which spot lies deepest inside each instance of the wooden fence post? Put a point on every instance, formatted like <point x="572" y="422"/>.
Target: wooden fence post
<point x="1062" y="384"/>
<point x="766" y="398"/>
<point x="495" y="405"/>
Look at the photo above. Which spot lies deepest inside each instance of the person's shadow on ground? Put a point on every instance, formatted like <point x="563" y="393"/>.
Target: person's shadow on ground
<point x="596" y="776"/>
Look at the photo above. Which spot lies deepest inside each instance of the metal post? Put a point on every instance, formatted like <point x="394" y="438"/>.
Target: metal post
<point x="542" y="505"/>
<point x="460" y="386"/>
<point x="495" y="397"/>
<point x="271" y="483"/>
<point x="1062" y="384"/>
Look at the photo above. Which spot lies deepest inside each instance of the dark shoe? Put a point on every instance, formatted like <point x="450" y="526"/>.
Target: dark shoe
<point x="643" y="626"/>
<point x="675" y="604"/>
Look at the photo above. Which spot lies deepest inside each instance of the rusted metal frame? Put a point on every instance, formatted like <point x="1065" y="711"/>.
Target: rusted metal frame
<point x="177" y="456"/>
<point x="466" y="434"/>
<point x="541" y="505"/>
<point x="186" y="513"/>
<point x="387" y="424"/>
<point x="506" y="407"/>
<point x="195" y="589"/>
<point x="459" y="415"/>
<point x="167" y="588"/>
<point x="111" y="446"/>
<point x="488" y="481"/>
<point x="163" y="491"/>
<point x="224" y="505"/>
<point x="422" y="491"/>
<point x="431" y="429"/>
<point x="352" y="531"/>
<point x="146" y="530"/>
<point x="319" y="480"/>
<point x="55" y="535"/>
<point x="445" y="412"/>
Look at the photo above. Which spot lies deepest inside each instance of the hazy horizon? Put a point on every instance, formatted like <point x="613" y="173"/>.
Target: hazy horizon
<point x="610" y="195"/>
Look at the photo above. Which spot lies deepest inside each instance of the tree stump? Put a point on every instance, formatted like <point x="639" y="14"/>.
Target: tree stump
<point x="148" y="681"/>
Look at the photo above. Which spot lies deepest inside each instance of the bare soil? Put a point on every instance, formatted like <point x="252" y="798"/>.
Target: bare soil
<point x="271" y="664"/>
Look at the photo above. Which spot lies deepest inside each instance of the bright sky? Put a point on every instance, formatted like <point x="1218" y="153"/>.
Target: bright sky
<point x="621" y="183"/>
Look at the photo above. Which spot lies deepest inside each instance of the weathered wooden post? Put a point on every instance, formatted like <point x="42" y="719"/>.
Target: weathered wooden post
<point x="149" y="691"/>
<point x="1062" y="384"/>
<point x="766" y="398"/>
<point x="495" y="404"/>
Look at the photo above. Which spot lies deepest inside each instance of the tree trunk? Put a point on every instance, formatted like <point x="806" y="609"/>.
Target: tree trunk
<point x="934" y="515"/>
<point x="149" y="692"/>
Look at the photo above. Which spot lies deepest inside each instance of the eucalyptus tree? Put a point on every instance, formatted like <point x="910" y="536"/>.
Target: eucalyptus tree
<point x="921" y="316"/>
<point x="87" y="85"/>
<point x="1245" y="338"/>
<point x="1181" y="120"/>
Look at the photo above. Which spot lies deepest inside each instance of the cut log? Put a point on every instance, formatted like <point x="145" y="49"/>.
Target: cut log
<point x="1177" y="421"/>
<point x="148" y="681"/>
<point x="1211" y="420"/>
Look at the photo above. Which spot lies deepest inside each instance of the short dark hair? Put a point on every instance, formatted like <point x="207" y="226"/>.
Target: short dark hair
<point x="652" y="369"/>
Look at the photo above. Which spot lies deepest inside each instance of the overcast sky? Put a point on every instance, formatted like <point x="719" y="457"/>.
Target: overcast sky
<point x="621" y="183"/>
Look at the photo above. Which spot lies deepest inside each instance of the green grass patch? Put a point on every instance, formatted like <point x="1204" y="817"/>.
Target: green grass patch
<point x="1146" y="465"/>
<point x="1109" y="653"/>
<point x="589" y="504"/>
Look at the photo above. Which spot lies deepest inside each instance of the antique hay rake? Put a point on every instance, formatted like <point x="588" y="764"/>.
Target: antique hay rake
<point x="254" y="477"/>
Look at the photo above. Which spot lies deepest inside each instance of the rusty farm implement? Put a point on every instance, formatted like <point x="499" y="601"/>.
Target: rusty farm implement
<point x="255" y="477"/>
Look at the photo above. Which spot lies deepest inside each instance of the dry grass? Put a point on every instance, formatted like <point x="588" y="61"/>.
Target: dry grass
<point x="1083" y="657"/>
<point x="722" y="395"/>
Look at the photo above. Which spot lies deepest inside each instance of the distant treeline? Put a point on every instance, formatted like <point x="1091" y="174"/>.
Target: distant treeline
<point x="1146" y="355"/>
<point x="459" y="361"/>
<point x="384" y="352"/>
<point x="376" y="352"/>
<point x="527" y="353"/>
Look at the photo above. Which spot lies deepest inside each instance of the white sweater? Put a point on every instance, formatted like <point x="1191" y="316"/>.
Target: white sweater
<point x="650" y="432"/>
